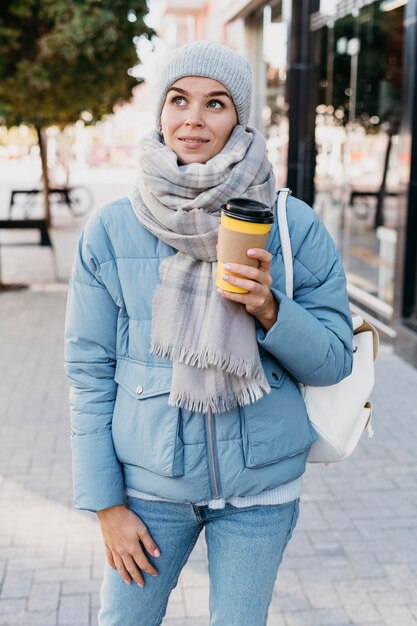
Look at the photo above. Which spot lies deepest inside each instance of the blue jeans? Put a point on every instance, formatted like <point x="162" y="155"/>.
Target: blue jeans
<point x="245" y="548"/>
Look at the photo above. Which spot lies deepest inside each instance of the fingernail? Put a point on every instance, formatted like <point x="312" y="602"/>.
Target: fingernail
<point x="227" y="266"/>
<point x="157" y="553"/>
<point x="251" y="251"/>
<point x="225" y="277"/>
<point x="127" y="582"/>
<point x="220" y="291"/>
<point x="140" y="585"/>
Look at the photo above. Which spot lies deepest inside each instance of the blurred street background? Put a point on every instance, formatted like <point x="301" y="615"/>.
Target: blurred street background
<point x="335" y="92"/>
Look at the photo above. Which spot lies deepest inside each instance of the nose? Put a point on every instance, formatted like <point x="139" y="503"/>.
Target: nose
<point x="195" y="117"/>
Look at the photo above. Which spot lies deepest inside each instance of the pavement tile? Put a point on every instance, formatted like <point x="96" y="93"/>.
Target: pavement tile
<point x="365" y="564"/>
<point x="302" y="563"/>
<point x="74" y="609"/>
<point x="398" y="556"/>
<point x="393" y="598"/>
<point x="401" y="576"/>
<point x="300" y="545"/>
<point x="80" y="586"/>
<point x="275" y="619"/>
<point x="185" y="622"/>
<point x="44" y="597"/>
<point x="62" y="573"/>
<point x="97" y="566"/>
<point x="331" y="573"/>
<point x="177" y="592"/>
<point x="360" y="608"/>
<point x="175" y="609"/>
<point x="291" y="601"/>
<point x="331" y="538"/>
<point x="322" y="595"/>
<point x="400" y="615"/>
<point x="32" y="563"/>
<point x="17" y="552"/>
<point x="195" y="574"/>
<point x="12" y="606"/>
<point x="332" y="558"/>
<point x="320" y="617"/>
<point x="30" y="619"/>
<point x="16" y="585"/>
<point x="311" y="517"/>
<point x="196" y="601"/>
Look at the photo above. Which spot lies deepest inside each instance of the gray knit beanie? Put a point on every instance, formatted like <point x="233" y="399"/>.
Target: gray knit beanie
<point x="212" y="60"/>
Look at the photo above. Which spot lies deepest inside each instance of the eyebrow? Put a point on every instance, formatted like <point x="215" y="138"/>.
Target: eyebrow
<point x="207" y="95"/>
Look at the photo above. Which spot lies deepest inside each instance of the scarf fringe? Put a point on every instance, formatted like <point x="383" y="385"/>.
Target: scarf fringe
<point x="210" y="358"/>
<point x="185" y="400"/>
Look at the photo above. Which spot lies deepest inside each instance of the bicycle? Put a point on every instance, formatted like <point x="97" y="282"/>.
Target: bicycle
<point x="78" y="199"/>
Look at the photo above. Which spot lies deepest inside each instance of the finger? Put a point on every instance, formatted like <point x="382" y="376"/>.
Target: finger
<point x="236" y="297"/>
<point x="244" y="270"/>
<point x="132" y="569"/>
<point x="142" y="562"/>
<point x="243" y="283"/>
<point x="121" y="569"/>
<point x="109" y="557"/>
<point x="262" y="255"/>
<point x="147" y="541"/>
<point x="251" y="303"/>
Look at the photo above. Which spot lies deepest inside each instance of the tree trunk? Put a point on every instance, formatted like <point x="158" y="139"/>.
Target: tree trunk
<point x="45" y="177"/>
<point x="379" y="214"/>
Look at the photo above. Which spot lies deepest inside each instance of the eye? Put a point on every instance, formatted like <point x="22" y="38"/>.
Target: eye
<point x="215" y="104"/>
<point x="178" y="100"/>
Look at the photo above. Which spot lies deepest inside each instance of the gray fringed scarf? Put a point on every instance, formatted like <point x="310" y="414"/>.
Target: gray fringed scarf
<point x="211" y="341"/>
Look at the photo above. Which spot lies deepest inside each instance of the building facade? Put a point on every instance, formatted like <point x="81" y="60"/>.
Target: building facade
<point x="336" y="97"/>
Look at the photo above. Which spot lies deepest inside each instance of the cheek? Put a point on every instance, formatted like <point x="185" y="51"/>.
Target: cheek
<point x="170" y="123"/>
<point x="225" y="131"/>
<point x="164" y="121"/>
<point x="167" y="116"/>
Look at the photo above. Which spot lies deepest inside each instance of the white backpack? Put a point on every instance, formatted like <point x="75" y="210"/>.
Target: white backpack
<point x="338" y="413"/>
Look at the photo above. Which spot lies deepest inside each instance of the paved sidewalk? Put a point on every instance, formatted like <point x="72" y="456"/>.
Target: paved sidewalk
<point x="353" y="559"/>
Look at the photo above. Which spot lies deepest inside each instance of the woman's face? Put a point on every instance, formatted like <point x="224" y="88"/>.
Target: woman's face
<point x="197" y="118"/>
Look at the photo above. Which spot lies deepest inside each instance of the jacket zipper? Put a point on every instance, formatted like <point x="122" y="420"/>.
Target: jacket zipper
<point x="212" y="454"/>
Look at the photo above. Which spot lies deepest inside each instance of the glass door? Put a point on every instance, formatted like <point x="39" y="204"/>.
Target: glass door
<point x="358" y="162"/>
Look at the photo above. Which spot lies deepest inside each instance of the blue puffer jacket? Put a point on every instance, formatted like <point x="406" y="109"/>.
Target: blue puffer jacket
<point x="124" y="434"/>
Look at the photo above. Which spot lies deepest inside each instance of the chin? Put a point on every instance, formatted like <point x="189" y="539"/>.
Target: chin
<point x="189" y="159"/>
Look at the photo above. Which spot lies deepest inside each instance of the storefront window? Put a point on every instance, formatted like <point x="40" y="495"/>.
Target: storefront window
<point x="358" y="163"/>
<point x="275" y="110"/>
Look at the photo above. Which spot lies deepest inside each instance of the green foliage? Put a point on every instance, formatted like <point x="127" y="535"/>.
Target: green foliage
<point x="59" y="58"/>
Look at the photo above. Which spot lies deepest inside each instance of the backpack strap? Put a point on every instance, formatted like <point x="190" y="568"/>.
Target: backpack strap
<point x="284" y="234"/>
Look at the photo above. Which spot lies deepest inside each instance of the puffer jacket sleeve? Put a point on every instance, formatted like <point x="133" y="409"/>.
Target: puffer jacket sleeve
<point x="312" y="337"/>
<point x="90" y="358"/>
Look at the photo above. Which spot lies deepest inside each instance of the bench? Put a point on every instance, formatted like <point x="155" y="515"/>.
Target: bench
<point x="78" y="199"/>
<point x="369" y="194"/>
<point x="30" y="224"/>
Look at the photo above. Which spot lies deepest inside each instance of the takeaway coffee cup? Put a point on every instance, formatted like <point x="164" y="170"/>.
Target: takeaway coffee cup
<point x="244" y="224"/>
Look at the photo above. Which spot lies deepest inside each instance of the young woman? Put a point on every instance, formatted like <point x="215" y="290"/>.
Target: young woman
<point x="186" y="413"/>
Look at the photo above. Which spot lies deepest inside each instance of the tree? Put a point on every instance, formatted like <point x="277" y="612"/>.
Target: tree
<point x="60" y="58"/>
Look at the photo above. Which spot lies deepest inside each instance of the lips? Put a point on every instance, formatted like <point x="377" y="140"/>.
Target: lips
<point x="193" y="140"/>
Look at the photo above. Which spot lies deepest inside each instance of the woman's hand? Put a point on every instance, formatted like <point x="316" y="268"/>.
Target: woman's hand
<point x="259" y="300"/>
<point x="123" y="531"/>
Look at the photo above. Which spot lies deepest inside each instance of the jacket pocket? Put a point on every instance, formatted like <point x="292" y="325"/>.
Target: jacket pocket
<point x="146" y="430"/>
<point x="275" y="427"/>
